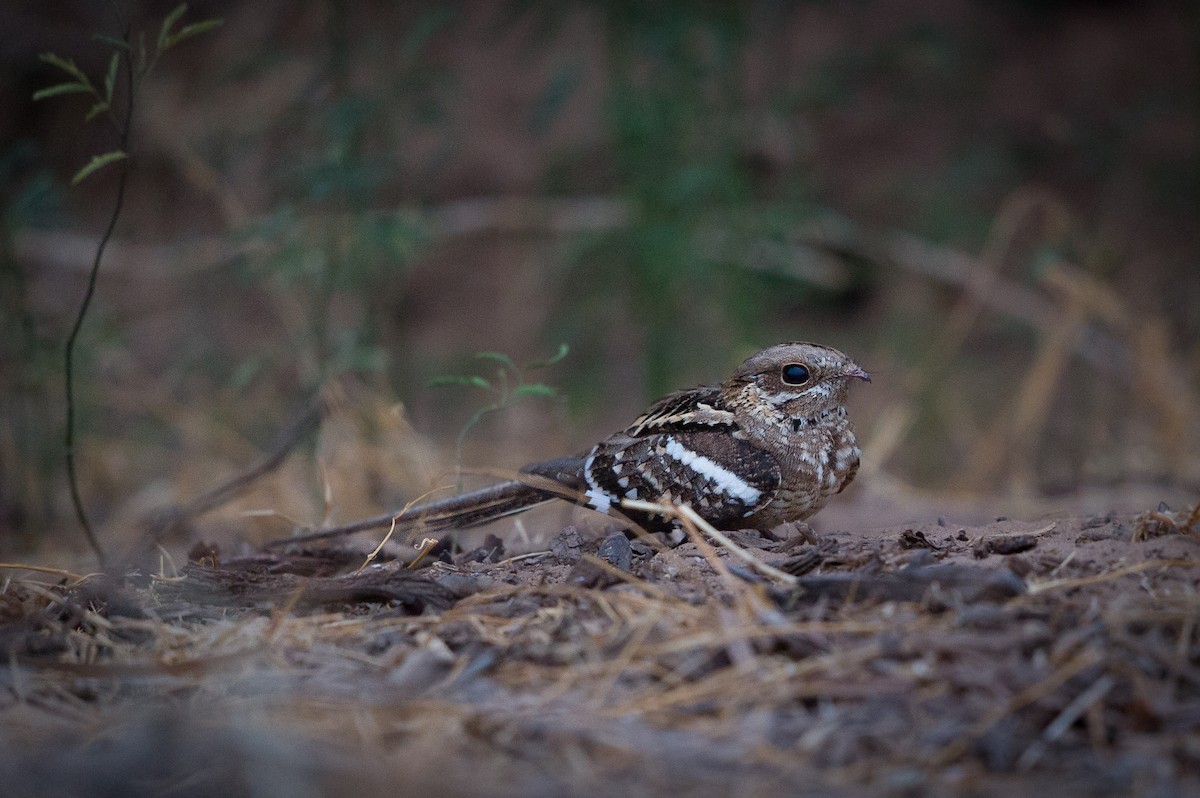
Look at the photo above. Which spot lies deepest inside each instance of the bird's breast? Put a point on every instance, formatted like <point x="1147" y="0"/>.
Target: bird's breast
<point x="816" y="461"/>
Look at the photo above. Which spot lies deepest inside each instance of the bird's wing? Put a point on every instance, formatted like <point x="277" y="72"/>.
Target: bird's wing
<point x="697" y="408"/>
<point x="724" y="478"/>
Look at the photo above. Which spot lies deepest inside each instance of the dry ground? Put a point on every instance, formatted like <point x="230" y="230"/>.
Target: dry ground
<point x="909" y="660"/>
<point x="985" y="659"/>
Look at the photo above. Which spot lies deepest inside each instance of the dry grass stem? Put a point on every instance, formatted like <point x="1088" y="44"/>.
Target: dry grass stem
<point x="1116" y="573"/>
<point x="43" y="569"/>
<point x="685" y="512"/>
<point x="679" y="663"/>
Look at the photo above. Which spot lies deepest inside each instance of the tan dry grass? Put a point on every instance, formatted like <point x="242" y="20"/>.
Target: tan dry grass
<point x="639" y="686"/>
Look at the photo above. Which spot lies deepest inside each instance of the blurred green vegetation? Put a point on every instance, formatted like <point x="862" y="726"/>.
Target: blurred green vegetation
<point x="334" y="142"/>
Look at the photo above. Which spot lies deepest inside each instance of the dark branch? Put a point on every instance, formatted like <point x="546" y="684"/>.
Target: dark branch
<point x="287" y="439"/>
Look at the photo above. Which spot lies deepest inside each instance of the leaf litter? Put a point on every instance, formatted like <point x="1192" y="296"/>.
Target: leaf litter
<point x="924" y="660"/>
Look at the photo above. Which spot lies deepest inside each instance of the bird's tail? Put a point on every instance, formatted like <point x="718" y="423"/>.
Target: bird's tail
<point x="539" y="483"/>
<point x="473" y="507"/>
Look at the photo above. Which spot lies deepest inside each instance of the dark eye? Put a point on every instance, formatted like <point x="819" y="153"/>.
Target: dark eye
<point x="795" y="374"/>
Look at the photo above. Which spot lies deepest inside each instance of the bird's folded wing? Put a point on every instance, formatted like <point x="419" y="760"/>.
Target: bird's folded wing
<point x="697" y="408"/>
<point x="722" y="477"/>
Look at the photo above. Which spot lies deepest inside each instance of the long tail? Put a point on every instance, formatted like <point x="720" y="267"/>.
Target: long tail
<point x="552" y="479"/>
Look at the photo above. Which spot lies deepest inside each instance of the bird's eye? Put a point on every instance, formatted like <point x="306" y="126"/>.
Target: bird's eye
<point x="795" y="374"/>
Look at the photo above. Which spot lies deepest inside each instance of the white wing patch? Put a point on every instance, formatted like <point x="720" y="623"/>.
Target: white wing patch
<point x="597" y="498"/>
<point x="727" y="481"/>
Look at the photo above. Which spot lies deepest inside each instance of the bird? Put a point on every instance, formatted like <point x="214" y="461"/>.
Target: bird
<point x="769" y="445"/>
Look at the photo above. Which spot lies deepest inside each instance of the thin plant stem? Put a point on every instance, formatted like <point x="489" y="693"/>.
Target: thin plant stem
<point x="69" y="355"/>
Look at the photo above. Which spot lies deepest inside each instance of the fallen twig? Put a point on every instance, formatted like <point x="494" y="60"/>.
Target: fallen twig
<point x="684" y="511"/>
<point x="285" y="441"/>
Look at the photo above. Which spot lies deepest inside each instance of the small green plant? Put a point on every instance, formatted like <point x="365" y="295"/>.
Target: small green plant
<point x="507" y="388"/>
<point x="131" y="61"/>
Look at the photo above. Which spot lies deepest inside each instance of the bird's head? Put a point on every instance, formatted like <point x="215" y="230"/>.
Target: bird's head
<point x="799" y="380"/>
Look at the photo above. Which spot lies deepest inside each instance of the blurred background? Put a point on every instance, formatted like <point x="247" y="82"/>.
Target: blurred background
<point x="992" y="206"/>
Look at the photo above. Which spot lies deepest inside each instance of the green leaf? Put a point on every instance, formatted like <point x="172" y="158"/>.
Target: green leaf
<point x="453" y="379"/>
<point x="195" y="29"/>
<point x="563" y="349"/>
<point x="116" y="44"/>
<point x="61" y="88"/>
<point x="97" y="162"/>
<point x="67" y="66"/>
<point x="110" y="79"/>
<point x="534" y="389"/>
<point x="97" y="109"/>
<point x="168" y="23"/>
<point x="498" y="357"/>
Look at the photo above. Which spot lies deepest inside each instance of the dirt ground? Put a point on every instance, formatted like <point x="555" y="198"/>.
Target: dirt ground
<point x="933" y="659"/>
<point x="1004" y="196"/>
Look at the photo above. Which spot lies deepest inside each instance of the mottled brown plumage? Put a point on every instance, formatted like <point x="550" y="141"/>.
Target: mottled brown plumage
<point x="769" y="445"/>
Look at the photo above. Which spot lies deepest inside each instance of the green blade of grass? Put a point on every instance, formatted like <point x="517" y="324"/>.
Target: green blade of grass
<point x="97" y="162"/>
<point x="61" y="88"/>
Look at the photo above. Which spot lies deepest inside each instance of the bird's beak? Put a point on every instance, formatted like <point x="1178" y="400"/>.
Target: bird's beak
<point x="852" y="370"/>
